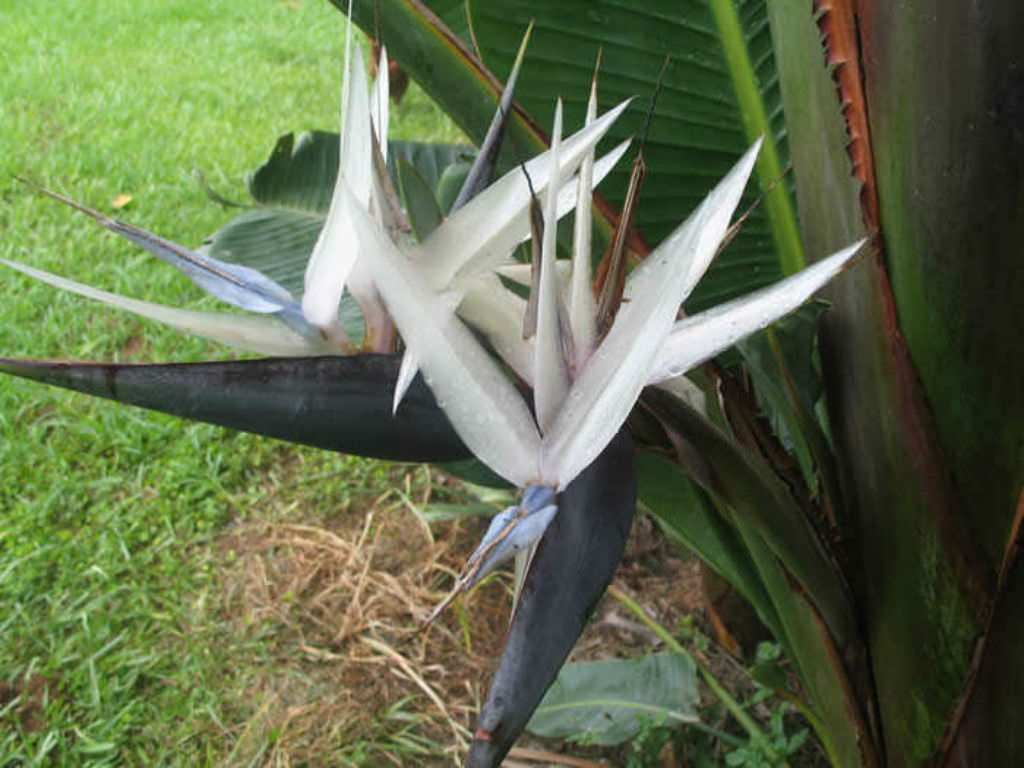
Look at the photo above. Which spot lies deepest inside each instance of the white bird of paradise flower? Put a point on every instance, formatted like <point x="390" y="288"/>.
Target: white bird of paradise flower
<point x="439" y="291"/>
<point x="578" y="407"/>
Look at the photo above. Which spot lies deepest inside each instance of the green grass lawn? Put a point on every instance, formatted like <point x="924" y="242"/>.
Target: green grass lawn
<point x="107" y="513"/>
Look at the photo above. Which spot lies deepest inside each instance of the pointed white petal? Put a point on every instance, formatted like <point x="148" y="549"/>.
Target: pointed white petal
<point x="510" y="238"/>
<point x="381" y="102"/>
<point x="717" y="209"/>
<point x="261" y="334"/>
<point x="520" y="273"/>
<point x="406" y="373"/>
<point x="683" y="389"/>
<point x="550" y="376"/>
<point x="567" y="195"/>
<point x="335" y="253"/>
<point x="485" y="230"/>
<point x="497" y="313"/>
<point x="701" y="337"/>
<point x="410" y="367"/>
<point x="582" y="306"/>
<point x="566" y="203"/>
<point x="604" y="393"/>
<point x="482" y="404"/>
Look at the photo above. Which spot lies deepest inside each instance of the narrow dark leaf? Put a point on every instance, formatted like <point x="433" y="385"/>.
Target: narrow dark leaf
<point x="339" y="403"/>
<point x="482" y="171"/>
<point x="689" y="517"/>
<point x="573" y="564"/>
<point x="780" y="361"/>
<point x="757" y="497"/>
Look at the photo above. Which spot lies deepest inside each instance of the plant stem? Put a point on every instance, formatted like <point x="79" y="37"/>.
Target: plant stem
<point x="777" y="203"/>
<point x="816" y="724"/>
<point x="734" y="707"/>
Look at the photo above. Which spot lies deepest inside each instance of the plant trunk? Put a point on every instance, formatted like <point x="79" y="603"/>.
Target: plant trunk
<point x="925" y="386"/>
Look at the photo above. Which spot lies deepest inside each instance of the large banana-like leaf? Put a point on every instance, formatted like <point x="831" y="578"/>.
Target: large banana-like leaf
<point x="687" y="515"/>
<point x="953" y="234"/>
<point x="697" y="128"/>
<point x="573" y="564"/>
<point x="760" y="500"/>
<point x="339" y="403"/>
<point x="292" y="191"/>
<point x="920" y="361"/>
<point x="822" y="639"/>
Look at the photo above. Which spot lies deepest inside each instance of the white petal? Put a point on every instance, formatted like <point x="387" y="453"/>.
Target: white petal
<point x="582" y="306"/>
<point x="520" y="273"/>
<point x="701" y="337"/>
<point x="716" y="210"/>
<point x="482" y="404"/>
<point x="603" y="395"/>
<point x="255" y="333"/>
<point x="381" y="102"/>
<point x="498" y="314"/>
<point x="550" y="376"/>
<point x="335" y="251"/>
<point x="406" y="373"/>
<point x="567" y="195"/>
<point x="487" y="228"/>
<point x="683" y="389"/>
<point x="511" y="238"/>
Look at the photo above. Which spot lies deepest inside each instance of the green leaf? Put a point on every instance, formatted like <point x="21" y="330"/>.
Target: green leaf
<point x="686" y="514"/>
<point x="298" y="175"/>
<point x="429" y="160"/>
<point x="833" y="698"/>
<point x="954" y="229"/>
<point x="696" y="132"/>
<point x="605" y="702"/>
<point x="450" y="183"/>
<point x="292" y="190"/>
<point x="770" y="675"/>
<point x="418" y="200"/>
<point x="760" y="501"/>
<point x="795" y="335"/>
<point x="917" y="402"/>
<point x="476" y="472"/>
<point x="780" y="361"/>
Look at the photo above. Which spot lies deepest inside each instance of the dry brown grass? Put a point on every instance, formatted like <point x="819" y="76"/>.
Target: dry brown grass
<point x="349" y="678"/>
<point x="341" y="605"/>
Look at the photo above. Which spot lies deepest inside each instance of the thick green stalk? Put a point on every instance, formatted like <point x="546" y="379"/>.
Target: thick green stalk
<point x="779" y="207"/>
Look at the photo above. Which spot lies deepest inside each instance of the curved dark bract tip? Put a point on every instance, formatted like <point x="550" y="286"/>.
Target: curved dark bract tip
<point x="339" y="403"/>
<point x="573" y="565"/>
